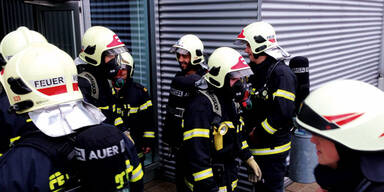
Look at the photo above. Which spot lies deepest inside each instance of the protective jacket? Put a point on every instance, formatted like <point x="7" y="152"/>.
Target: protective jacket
<point x="97" y="91"/>
<point x="41" y="163"/>
<point x="182" y="88"/>
<point x="135" y="107"/>
<point x="210" y="156"/>
<point x="270" y="118"/>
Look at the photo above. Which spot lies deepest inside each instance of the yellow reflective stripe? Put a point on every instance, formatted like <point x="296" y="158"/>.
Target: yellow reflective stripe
<point x="270" y="151"/>
<point x="113" y="108"/>
<point x="118" y="121"/>
<point x="104" y="108"/>
<point x="189" y="185"/>
<point x="146" y="105"/>
<point x="201" y="175"/>
<point x="244" y="145"/>
<point x="113" y="91"/>
<point x="128" y="165"/>
<point x="119" y="111"/>
<point x="234" y="184"/>
<point x="229" y="124"/>
<point x="137" y="174"/>
<point x="140" y="155"/>
<point x="196" y="133"/>
<point x="28" y="120"/>
<point x="223" y="189"/>
<point x="1" y="154"/>
<point x="268" y="127"/>
<point x="285" y="94"/>
<point x="182" y="123"/>
<point x="241" y="124"/>
<point x="149" y="134"/>
<point x="133" y="110"/>
<point x="11" y="140"/>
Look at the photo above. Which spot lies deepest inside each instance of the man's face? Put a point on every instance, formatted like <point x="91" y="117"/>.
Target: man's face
<point x="326" y="151"/>
<point x="108" y="58"/>
<point x="184" y="60"/>
<point x="248" y="50"/>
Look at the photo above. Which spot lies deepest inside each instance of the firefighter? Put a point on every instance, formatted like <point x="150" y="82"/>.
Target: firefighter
<point x="98" y="64"/>
<point x="71" y="147"/>
<point x="269" y="120"/>
<point x="211" y="126"/>
<point x="135" y="107"/>
<point x="345" y="118"/>
<point x="12" y="124"/>
<point x="189" y="51"/>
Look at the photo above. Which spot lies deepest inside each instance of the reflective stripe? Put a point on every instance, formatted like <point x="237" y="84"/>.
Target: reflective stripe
<point x="244" y="145"/>
<point x="140" y="155"/>
<point x="11" y="140"/>
<point x="28" y="120"/>
<point x="119" y="111"/>
<point x="268" y="127"/>
<point x="270" y="151"/>
<point x="229" y="124"/>
<point x="113" y="108"/>
<point x="203" y="174"/>
<point x="137" y="174"/>
<point x="1" y="154"/>
<point x="285" y="94"/>
<point x="149" y="134"/>
<point x="128" y="166"/>
<point x="104" y="108"/>
<point x="189" y="185"/>
<point x="241" y="124"/>
<point x="223" y="189"/>
<point x="133" y="109"/>
<point x="146" y="105"/>
<point x="234" y="184"/>
<point x="182" y="123"/>
<point x="118" y="121"/>
<point x="196" y="133"/>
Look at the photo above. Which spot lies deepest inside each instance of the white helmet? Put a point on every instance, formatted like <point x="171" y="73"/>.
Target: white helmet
<point x="127" y="60"/>
<point x="98" y="39"/>
<point x="190" y="44"/>
<point x="40" y="76"/>
<point x="223" y="61"/>
<point x="261" y="37"/>
<point x="349" y="112"/>
<point x="17" y="40"/>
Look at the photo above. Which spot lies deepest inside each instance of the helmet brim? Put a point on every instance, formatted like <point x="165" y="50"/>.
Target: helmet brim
<point x="241" y="73"/>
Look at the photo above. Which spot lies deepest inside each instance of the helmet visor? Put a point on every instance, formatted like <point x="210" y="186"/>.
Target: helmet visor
<point x="116" y="51"/>
<point x="308" y="116"/>
<point x="241" y="73"/>
<point x="179" y="50"/>
<point x="240" y="42"/>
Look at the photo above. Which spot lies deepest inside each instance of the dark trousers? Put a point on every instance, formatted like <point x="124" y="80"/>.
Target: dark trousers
<point x="273" y="168"/>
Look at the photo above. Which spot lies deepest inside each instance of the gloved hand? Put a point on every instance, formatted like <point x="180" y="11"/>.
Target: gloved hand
<point x="146" y="149"/>
<point x="254" y="172"/>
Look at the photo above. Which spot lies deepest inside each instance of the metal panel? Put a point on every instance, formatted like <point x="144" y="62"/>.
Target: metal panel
<point x="15" y="13"/>
<point x="130" y="21"/>
<point x="341" y="38"/>
<point x="215" y="22"/>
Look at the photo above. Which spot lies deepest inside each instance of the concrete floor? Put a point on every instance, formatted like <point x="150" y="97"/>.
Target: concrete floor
<point x="165" y="186"/>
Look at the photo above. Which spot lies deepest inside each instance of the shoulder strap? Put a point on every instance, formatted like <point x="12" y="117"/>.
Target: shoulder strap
<point x="92" y="81"/>
<point x="54" y="149"/>
<point x="215" y="106"/>
<point x="270" y="71"/>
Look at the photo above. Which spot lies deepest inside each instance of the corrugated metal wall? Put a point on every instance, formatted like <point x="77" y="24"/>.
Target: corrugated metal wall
<point x="15" y="13"/>
<point x="216" y="22"/>
<point x="341" y="38"/>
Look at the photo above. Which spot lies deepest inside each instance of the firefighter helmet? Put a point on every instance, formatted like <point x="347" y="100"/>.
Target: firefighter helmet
<point x="17" y="40"/>
<point x="96" y="41"/>
<point x="190" y="44"/>
<point x="223" y="61"/>
<point x="40" y="76"/>
<point x="261" y="37"/>
<point x="127" y="60"/>
<point x="349" y="112"/>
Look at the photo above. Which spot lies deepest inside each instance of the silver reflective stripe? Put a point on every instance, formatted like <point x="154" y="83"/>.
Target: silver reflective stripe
<point x="269" y="151"/>
<point x="285" y="94"/>
<point x="196" y="133"/>
<point x="268" y="127"/>
<point x="203" y="174"/>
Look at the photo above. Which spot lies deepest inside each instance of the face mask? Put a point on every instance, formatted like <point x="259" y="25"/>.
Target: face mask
<point x="241" y="94"/>
<point x="120" y="78"/>
<point x="111" y="68"/>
